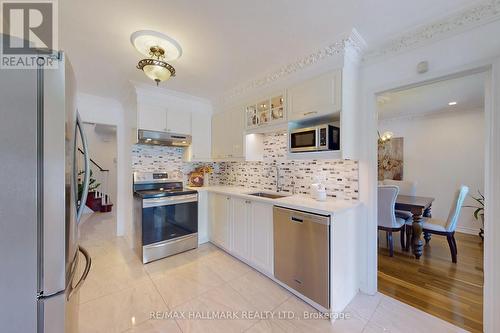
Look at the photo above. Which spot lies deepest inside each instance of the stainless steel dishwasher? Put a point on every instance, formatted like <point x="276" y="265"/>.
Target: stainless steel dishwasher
<point x="302" y="253"/>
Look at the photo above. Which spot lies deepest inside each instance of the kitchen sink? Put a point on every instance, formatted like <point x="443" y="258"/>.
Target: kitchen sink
<point x="267" y="195"/>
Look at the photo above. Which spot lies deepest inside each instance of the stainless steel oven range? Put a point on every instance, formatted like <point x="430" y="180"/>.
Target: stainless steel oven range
<point x="165" y="216"/>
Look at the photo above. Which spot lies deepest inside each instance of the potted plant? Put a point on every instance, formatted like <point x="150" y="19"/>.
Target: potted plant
<point x="92" y="185"/>
<point x="479" y="211"/>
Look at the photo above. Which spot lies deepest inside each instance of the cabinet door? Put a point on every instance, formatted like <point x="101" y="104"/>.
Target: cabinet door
<point x="236" y="120"/>
<point x="261" y="236"/>
<point x="217" y="135"/>
<point x="219" y="224"/>
<point x="179" y="121"/>
<point x="151" y="117"/>
<point x="201" y="145"/>
<point x="315" y="97"/>
<point x="240" y="227"/>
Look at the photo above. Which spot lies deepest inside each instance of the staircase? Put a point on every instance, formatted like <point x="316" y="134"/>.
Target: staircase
<point x="98" y="199"/>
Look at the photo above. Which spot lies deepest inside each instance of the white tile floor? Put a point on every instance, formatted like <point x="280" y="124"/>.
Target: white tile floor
<point x="120" y="294"/>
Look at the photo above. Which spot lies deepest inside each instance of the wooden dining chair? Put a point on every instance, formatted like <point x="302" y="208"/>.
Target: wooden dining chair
<point x="387" y="220"/>
<point x="447" y="228"/>
<point x="406" y="187"/>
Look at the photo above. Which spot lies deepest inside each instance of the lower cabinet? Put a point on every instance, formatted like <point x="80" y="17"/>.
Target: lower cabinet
<point x="240" y="227"/>
<point x="261" y="237"/>
<point x="244" y="228"/>
<point x="220" y="220"/>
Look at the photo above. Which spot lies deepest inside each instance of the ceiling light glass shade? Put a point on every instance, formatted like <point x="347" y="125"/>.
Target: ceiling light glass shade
<point x="144" y="40"/>
<point x="156" y="70"/>
<point x="387" y="136"/>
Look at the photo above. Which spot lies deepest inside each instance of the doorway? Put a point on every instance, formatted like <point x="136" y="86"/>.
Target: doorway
<point x="102" y="147"/>
<point x="431" y="142"/>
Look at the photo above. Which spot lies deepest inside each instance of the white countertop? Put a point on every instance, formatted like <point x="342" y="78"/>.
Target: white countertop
<point x="331" y="206"/>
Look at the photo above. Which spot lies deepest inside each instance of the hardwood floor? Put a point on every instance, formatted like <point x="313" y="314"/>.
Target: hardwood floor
<point x="452" y="292"/>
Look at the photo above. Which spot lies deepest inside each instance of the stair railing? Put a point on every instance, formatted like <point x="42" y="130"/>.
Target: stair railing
<point x="101" y="176"/>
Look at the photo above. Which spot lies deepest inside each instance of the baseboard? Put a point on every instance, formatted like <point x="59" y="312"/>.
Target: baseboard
<point x="203" y="240"/>
<point x="467" y="230"/>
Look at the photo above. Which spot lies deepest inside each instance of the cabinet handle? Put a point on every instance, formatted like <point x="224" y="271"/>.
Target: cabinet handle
<point x="296" y="219"/>
<point x="310" y="112"/>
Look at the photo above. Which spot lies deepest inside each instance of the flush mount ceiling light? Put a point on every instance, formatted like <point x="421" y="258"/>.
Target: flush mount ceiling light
<point x="159" y="48"/>
<point x="452" y="103"/>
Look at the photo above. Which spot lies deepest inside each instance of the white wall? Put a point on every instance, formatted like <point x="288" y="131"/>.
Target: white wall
<point x="103" y="151"/>
<point x="441" y="152"/>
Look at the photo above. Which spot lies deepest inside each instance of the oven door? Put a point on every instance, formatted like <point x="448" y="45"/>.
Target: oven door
<point x="169" y="218"/>
<point x="305" y="139"/>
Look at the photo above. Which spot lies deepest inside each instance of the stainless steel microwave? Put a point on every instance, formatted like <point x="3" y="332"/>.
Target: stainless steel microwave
<point x="317" y="138"/>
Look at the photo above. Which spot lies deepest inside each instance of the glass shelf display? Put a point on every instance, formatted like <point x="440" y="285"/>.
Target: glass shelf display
<point x="263" y="112"/>
<point x="268" y="111"/>
<point x="252" y="119"/>
<point x="277" y="109"/>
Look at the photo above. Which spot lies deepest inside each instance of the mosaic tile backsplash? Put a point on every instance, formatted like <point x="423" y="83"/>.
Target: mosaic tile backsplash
<point x="295" y="176"/>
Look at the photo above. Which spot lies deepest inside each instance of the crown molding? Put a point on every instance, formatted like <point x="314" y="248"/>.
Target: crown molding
<point x="352" y="41"/>
<point x="481" y="13"/>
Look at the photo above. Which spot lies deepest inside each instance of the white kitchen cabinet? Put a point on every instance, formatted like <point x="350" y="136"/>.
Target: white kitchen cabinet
<point x="220" y="220"/>
<point x="160" y="118"/>
<point x="240" y="227"/>
<point x="236" y="124"/>
<point x="315" y="97"/>
<point x="218" y="135"/>
<point x="203" y="217"/>
<point x="227" y="135"/>
<point x="244" y="228"/>
<point x="151" y="117"/>
<point x="201" y="132"/>
<point x="261" y="237"/>
<point x="178" y="121"/>
<point x="267" y="111"/>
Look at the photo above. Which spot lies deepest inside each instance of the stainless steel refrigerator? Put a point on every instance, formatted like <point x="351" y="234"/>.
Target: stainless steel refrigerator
<point x="42" y="266"/>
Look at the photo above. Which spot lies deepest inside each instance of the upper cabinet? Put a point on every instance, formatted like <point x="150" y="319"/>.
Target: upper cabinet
<point x="152" y="117"/>
<point x="201" y="144"/>
<point x="315" y="97"/>
<point x="179" y="121"/>
<point x="266" y="111"/>
<point x="160" y="118"/>
<point x="227" y="135"/>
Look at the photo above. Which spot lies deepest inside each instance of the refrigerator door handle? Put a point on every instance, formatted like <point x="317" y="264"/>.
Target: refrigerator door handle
<point x="86" y="179"/>
<point x="88" y="264"/>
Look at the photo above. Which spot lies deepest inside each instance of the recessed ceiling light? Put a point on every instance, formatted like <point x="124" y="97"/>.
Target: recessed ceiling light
<point x="452" y="103"/>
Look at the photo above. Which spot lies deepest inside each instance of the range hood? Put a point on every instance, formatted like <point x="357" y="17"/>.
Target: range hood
<point x="163" y="138"/>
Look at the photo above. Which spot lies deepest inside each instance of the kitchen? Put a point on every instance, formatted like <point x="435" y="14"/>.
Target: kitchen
<point x="254" y="178"/>
<point x="245" y="164"/>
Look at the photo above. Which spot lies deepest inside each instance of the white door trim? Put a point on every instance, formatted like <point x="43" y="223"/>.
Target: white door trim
<point x="368" y="175"/>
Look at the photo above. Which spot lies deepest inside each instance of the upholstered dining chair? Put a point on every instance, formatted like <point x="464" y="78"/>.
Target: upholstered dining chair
<point x="406" y="187"/>
<point x="387" y="220"/>
<point x="447" y="228"/>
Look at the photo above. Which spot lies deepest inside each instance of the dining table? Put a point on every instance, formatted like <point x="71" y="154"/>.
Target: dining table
<point x="419" y="207"/>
